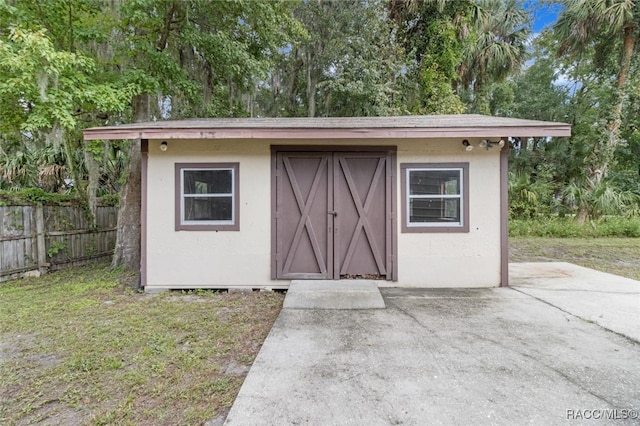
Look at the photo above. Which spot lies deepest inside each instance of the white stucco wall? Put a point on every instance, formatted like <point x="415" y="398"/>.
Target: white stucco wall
<point x="455" y="259"/>
<point x="210" y="259"/>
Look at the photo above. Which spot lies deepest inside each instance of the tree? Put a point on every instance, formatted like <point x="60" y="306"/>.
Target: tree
<point x="193" y="58"/>
<point x="583" y="97"/>
<point x="433" y="33"/>
<point x="66" y="65"/>
<point x="347" y="63"/>
<point x="495" y="49"/>
<point x="602" y="29"/>
<point x="535" y="93"/>
<point x="365" y="76"/>
<point x="49" y="89"/>
<point x="626" y="169"/>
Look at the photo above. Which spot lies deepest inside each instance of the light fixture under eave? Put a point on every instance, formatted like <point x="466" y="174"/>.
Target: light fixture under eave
<point x="164" y="145"/>
<point x="467" y="145"/>
<point x="485" y="143"/>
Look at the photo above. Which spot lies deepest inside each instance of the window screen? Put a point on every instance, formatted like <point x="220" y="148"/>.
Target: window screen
<point x="434" y="197"/>
<point x="207" y="196"/>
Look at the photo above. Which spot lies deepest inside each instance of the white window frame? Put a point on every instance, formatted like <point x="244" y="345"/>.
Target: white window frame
<point x="207" y="225"/>
<point x="460" y="226"/>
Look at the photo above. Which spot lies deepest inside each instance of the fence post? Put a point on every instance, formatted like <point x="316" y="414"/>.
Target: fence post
<point x="43" y="266"/>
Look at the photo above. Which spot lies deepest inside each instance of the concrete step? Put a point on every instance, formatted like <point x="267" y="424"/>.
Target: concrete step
<point x="330" y="294"/>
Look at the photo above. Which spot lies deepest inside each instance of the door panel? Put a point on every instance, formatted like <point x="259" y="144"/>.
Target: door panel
<point x="333" y="215"/>
<point x="303" y="236"/>
<point x="360" y="200"/>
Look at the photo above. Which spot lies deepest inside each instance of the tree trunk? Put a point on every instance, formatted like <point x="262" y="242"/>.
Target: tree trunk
<point x="628" y="46"/>
<point x="127" y="250"/>
<point x="603" y="152"/>
<point x="311" y="88"/>
<point x="73" y="169"/>
<point x="612" y="141"/>
<point x="92" y="188"/>
<point x="292" y="96"/>
<point x="583" y="214"/>
<point x="327" y="104"/>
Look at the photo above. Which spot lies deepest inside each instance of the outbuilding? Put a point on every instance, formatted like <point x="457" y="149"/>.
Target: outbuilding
<point x="412" y="201"/>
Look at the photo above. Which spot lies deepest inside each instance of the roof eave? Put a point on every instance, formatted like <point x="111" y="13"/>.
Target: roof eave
<point x="325" y="133"/>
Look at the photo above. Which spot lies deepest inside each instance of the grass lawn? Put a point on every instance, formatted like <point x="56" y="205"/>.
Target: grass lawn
<point x="619" y="256"/>
<point x="77" y="347"/>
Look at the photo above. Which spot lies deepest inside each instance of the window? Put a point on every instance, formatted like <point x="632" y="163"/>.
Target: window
<point x="435" y="197"/>
<point x="207" y="196"/>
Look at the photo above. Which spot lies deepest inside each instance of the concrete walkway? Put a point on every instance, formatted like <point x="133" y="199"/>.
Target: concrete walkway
<point x="611" y="301"/>
<point x="487" y="356"/>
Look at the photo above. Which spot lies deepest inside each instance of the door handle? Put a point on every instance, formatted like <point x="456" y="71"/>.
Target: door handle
<point x="332" y="213"/>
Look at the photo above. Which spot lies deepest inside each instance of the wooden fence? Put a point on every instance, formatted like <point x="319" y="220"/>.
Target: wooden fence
<point x="35" y="239"/>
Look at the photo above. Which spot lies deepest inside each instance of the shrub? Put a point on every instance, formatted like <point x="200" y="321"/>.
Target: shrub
<point x="29" y="196"/>
<point x="37" y="195"/>
<point x="568" y="227"/>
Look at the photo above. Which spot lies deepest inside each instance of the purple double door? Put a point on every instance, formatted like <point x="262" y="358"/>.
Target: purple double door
<point x="334" y="215"/>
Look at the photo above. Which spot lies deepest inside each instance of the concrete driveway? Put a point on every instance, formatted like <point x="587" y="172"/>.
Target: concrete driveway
<point x="488" y="356"/>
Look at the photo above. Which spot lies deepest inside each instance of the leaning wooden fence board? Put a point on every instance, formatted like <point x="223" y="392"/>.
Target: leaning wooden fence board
<point x="34" y="239"/>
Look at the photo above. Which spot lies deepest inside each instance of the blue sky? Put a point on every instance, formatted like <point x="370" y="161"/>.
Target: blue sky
<point x="543" y="15"/>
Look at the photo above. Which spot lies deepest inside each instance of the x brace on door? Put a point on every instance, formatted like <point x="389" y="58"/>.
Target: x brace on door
<point x="333" y="213"/>
<point x="363" y="223"/>
<point x="305" y="221"/>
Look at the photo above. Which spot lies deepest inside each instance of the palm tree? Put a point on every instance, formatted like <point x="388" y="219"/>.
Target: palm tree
<point x="498" y="48"/>
<point x="609" y="27"/>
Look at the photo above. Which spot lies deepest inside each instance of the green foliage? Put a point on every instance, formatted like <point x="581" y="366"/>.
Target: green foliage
<point x="55" y="248"/>
<point x="69" y="65"/>
<point x="40" y="167"/>
<point x="42" y="87"/>
<point x="433" y="35"/>
<point x="34" y="195"/>
<point x="599" y="198"/>
<point x="567" y="227"/>
<point x="607" y="34"/>
<point x="37" y="195"/>
<point x="495" y="50"/>
<point x="535" y="93"/>
<point x="527" y="197"/>
<point x="202" y="57"/>
<point x="52" y="84"/>
<point x="346" y="63"/>
<point x="437" y="70"/>
<point x="109" y="200"/>
<point x="595" y="23"/>
<point x="581" y="179"/>
<point x="625" y="172"/>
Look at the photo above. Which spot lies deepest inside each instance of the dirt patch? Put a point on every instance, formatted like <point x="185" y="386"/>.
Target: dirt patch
<point x="21" y="346"/>
<point x="54" y="413"/>
<point x="236" y="369"/>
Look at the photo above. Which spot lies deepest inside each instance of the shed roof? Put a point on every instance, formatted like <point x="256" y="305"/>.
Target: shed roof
<point x="415" y="126"/>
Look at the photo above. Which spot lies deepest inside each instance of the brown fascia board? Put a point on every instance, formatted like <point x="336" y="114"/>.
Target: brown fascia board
<point x="324" y="133"/>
